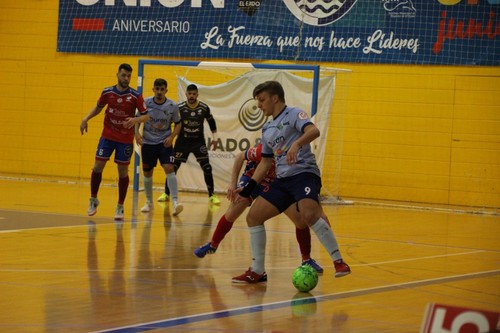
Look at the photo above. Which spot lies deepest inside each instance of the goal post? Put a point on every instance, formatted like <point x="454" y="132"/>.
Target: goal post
<point x="219" y="86"/>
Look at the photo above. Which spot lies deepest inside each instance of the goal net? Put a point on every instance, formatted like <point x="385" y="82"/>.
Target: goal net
<point x="227" y="89"/>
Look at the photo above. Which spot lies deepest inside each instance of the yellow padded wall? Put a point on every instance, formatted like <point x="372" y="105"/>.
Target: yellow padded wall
<point x="409" y="133"/>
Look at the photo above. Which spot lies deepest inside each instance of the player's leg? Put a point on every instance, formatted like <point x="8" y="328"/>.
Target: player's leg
<point x="224" y="225"/>
<point x="306" y="188"/>
<point x="149" y="156"/>
<point x="266" y="206"/>
<point x="167" y="160"/>
<point x="181" y="154"/>
<point x="303" y="236"/>
<point x="104" y="150"/>
<point x="201" y="153"/>
<point x="123" y="153"/>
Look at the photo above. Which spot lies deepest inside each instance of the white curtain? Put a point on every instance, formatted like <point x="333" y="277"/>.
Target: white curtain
<point x="232" y="106"/>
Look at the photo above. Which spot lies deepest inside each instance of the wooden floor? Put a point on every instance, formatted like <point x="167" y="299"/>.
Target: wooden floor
<point x="61" y="271"/>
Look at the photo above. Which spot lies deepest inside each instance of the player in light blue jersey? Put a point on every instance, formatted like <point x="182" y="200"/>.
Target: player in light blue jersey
<point x="156" y="143"/>
<point x="286" y="140"/>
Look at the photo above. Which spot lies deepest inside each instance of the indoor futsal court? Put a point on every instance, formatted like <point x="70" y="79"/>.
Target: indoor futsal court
<point x="61" y="271"/>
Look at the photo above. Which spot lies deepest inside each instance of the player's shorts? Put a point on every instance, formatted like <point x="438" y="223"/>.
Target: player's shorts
<point x="185" y="146"/>
<point x="151" y="154"/>
<point x="263" y="186"/>
<point x="123" y="151"/>
<point x="284" y="192"/>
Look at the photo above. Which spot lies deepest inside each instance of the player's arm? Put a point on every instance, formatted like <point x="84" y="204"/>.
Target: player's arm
<point x="94" y="112"/>
<point x="213" y="128"/>
<point x="309" y="133"/>
<point x="132" y="121"/>
<point x="235" y="174"/>
<point x="260" y="173"/>
<point x="169" y="141"/>
<point x="138" y="129"/>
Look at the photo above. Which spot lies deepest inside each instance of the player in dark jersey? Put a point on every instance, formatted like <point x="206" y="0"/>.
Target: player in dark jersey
<point x="117" y="134"/>
<point x="192" y="139"/>
<point x="286" y="143"/>
<point x="253" y="157"/>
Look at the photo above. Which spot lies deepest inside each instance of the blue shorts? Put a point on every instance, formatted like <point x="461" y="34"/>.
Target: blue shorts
<point x="123" y="151"/>
<point x="150" y="154"/>
<point x="284" y="192"/>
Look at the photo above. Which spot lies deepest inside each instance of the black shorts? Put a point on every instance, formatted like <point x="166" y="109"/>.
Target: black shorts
<point x="185" y="146"/>
<point x="284" y="192"/>
<point x="150" y="154"/>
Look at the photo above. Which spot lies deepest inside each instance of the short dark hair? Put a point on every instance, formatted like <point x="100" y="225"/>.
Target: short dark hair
<point x="126" y="67"/>
<point x="192" y="87"/>
<point x="160" y="82"/>
<point x="271" y="87"/>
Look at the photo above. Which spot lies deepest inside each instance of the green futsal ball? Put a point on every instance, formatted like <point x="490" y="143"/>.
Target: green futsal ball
<point x="304" y="278"/>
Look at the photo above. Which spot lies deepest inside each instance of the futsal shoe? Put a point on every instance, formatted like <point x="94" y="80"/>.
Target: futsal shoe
<point x="214" y="200"/>
<point x="250" y="277"/>
<point x="203" y="250"/>
<point x="93" y="203"/>
<point x="147" y="207"/>
<point x="178" y="207"/>
<point x="163" y="197"/>
<point x="341" y="268"/>
<point x="119" y="213"/>
<point x="311" y="262"/>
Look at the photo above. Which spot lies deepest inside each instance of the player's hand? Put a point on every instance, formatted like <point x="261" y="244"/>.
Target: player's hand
<point x="213" y="144"/>
<point x="129" y="122"/>
<point x="291" y="154"/>
<point x="238" y="198"/>
<point x="168" y="142"/>
<point x="138" y="139"/>
<point x="231" y="193"/>
<point x="83" y="126"/>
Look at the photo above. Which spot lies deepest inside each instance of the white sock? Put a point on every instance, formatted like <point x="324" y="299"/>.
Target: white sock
<point x="148" y="188"/>
<point x="172" y="185"/>
<point x="327" y="238"/>
<point x="258" y="247"/>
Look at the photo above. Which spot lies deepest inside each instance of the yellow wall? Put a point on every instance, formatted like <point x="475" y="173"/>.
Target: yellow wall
<point x="411" y="133"/>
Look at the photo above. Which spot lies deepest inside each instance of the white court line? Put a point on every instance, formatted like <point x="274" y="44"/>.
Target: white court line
<point x="231" y="269"/>
<point x="206" y="316"/>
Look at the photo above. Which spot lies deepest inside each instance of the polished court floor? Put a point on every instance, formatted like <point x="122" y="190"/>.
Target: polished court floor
<point x="61" y="271"/>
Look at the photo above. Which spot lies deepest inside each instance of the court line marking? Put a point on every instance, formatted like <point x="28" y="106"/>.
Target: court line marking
<point x="228" y="269"/>
<point x="179" y="321"/>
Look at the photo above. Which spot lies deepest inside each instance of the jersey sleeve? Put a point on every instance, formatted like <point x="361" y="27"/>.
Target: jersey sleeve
<point x="141" y="105"/>
<point x="254" y="154"/>
<point x="211" y="121"/>
<point x="102" y="101"/>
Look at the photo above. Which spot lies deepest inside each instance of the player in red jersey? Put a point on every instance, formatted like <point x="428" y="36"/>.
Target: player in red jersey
<point x="253" y="156"/>
<point x="117" y="134"/>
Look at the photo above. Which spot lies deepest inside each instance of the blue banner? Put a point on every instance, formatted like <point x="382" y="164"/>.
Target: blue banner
<point x="454" y="32"/>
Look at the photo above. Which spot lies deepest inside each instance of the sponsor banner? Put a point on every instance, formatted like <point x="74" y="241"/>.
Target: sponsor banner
<point x="441" y="318"/>
<point x="238" y="110"/>
<point x="460" y="32"/>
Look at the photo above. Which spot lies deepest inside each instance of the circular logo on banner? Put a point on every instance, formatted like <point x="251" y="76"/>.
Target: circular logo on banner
<point x="318" y="12"/>
<point x="250" y="116"/>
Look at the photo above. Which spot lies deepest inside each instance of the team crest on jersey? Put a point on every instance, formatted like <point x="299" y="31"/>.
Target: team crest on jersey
<point x="303" y="115"/>
<point x="119" y="100"/>
<point x="319" y="12"/>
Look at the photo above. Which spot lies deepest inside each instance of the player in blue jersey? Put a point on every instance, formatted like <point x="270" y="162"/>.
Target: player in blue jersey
<point x="286" y="140"/>
<point x="157" y="143"/>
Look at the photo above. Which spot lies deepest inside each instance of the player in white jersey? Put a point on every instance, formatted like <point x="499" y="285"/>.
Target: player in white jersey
<point x="286" y="140"/>
<point x="156" y="143"/>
